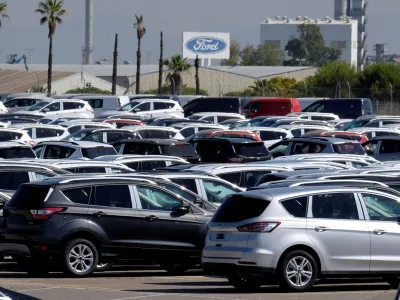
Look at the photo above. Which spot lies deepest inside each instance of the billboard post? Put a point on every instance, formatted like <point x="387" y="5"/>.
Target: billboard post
<point x="206" y="45"/>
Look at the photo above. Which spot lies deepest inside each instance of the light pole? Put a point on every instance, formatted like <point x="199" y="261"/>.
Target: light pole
<point x="30" y="50"/>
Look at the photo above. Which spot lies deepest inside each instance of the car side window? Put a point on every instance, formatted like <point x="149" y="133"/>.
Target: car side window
<point x="160" y="105"/>
<point x="279" y="149"/>
<point x="96" y="137"/>
<point x="252" y="177"/>
<point x="57" y="152"/>
<point x="381" y="208"/>
<point x="217" y="191"/>
<point x="38" y="150"/>
<point x="388" y="146"/>
<point x="69" y="105"/>
<point x="12" y="180"/>
<point x="370" y="147"/>
<point x="5" y="136"/>
<point x="112" y="196"/>
<point x="335" y="206"/>
<point x="154" y="199"/>
<point x="209" y="119"/>
<point x="156" y="134"/>
<point x="44" y="133"/>
<point x="297" y="207"/>
<point x="78" y="195"/>
<point x="189" y="184"/>
<point x="114" y="137"/>
<point x="233" y="178"/>
<point x="15" y="135"/>
<point x="152" y="165"/>
<point x="143" y="107"/>
<point x="187" y="132"/>
<point x="91" y="170"/>
<point x="54" y="106"/>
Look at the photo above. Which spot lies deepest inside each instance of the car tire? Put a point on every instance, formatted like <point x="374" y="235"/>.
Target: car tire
<point x="298" y="271"/>
<point x="244" y="284"/>
<point x="174" y="268"/>
<point x="102" y="267"/>
<point x="393" y="281"/>
<point x="80" y="258"/>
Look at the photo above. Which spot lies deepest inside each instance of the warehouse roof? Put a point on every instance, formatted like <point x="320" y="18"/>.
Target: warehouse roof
<point x="130" y="70"/>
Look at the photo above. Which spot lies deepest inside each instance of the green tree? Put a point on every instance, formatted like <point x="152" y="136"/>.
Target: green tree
<point x="51" y="12"/>
<point x="166" y="89"/>
<point x="176" y="66"/>
<point x="3" y="12"/>
<point x="140" y="32"/>
<point x="310" y="46"/>
<point x="234" y="57"/>
<point x="88" y="90"/>
<point x="268" y="54"/>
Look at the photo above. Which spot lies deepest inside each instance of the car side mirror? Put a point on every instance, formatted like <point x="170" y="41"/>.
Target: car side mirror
<point x="46" y="110"/>
<point x="136" y="109"/>
<point x="182" y="209"/>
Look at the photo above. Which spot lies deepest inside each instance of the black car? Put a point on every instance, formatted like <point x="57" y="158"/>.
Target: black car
<point x="158" y="147"/>
<point x="230" y="150"/>
<point x="350" y="108"/>
<point x="216" y="104"/>
<point x="77" y="224"/>
<point x="383" y="148"/>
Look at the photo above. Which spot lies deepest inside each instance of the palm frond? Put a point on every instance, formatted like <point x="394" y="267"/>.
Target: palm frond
<point x="43" y="20"/>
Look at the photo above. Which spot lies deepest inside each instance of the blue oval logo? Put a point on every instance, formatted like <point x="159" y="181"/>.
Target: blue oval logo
<point x="206" y="45"/>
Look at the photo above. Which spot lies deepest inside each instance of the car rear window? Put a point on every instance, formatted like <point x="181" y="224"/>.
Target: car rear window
<point x="180" y="150"/>
<point x="251" y="149"/>
<point x="357" y="138"/>
<point x="17" y="152"/>
<point x="348" y="148"/>
<point x="98" y="151"/>
<point x="29" y="197"/>
<point x="237" y="208"/>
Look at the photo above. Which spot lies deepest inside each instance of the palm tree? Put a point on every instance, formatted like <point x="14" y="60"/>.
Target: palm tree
<point x="161" y="64"/>
<point x="196" y="65"/>
<point x="261" y="88"/>
<point x="51" y="11"/>
<point x="176" y="67"/>
<point x="3" y="11"/>
<point x="140" y="31"/>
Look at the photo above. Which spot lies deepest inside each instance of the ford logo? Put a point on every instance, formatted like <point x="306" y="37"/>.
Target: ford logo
<point x="205" y="45"/>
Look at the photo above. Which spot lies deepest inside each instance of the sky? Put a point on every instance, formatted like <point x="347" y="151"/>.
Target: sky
<point x="241" y="18"/>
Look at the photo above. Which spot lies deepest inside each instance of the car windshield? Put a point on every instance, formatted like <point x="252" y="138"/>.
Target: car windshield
<point x="251" y="149"/>
<point x="180" y="150"/>
<point x="128" y="106"/>
<point x="79" y="135"/>
<point x="17" y="152"/>
<point x="98" y="151"/>
<point x="37" y="106"/>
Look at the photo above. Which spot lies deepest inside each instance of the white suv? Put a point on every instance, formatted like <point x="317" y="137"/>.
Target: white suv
<point x="148" y="108"/>
<point x="65" y="108"/>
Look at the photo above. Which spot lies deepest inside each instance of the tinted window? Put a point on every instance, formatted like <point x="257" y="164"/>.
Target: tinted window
<point x="187" y="132"/>
<point x="28" y="197"/>
<point x="233" y="178"/>
<point x="112" y="196"/>
<point x="98" y="151"/>
<point x="305" y="148"/>
<point x="189" y="184"/>
<point x="91" y="170"/>
<point x="114" y="137"/>
<point x="381" y="208"/>
<point x="237" y="208"/>
<point x="70" y="105"/>
<point x="58" y="152"/>
<point x="160" y="105"/>
<point x="95" y="137"/>
<point x="255" y="106"/>
<point x="44" y="133"/>
<point x="335" y="206"/>
<point x="143" y="107"/>
<point x="17" y="152"/>
<point x="53" y="107"/>
<point x="5" y="136"/>
<point x="251" y="149"/>
<point x="296" y="132"/>
<point x="270" y="135"/>
<point x="155" y="199"/>
<point x="296" y="207"/>
<point x="223" y="118"/>
<point x="178" y="191"/>
<point x="133" y="165"/>
<point x="12" y="180"/>
<point x="217" y="191"/>
<point x="380" y="133"/>
<point x="388" y="146"/>
<point x="95" y="103"/>
<point x="132" y="148"/>
<point x="252" y="177"/>
<point x="156" y="134"/>
<point x="180" y="150"/>
<point x="152" y="165"/>
<point x="279" y="149"/>
<point x="348" y="148"/>
<point x="78" y="195"/>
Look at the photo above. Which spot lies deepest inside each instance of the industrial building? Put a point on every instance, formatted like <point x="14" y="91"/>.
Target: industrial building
<point x="340" y="34"/>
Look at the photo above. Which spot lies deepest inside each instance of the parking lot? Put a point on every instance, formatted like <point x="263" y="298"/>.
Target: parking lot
<point x="152" y="283"/>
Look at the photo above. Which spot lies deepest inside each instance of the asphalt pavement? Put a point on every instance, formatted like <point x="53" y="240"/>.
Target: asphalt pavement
<point x="148" y="284"/>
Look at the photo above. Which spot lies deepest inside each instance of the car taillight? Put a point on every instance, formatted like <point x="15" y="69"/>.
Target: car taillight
<point x="234" y="160"/>
<point x="259" y="227"/>
<point x="45" y="213"/>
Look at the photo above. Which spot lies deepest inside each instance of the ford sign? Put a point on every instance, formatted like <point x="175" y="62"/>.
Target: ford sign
<point x="205" y="45"/>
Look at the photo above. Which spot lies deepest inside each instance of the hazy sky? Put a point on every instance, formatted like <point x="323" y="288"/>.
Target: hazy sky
<point x="241" y="18"/>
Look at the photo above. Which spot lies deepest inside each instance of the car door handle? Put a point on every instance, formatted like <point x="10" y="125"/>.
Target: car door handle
<point x="321" y="229"/>
<point x="99" y="214"/>
<point x="151" y="218"/>
<point x="380" y="231"/>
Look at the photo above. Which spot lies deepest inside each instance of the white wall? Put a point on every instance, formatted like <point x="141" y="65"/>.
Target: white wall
<point x="331" y="32"/>
<point x="75" y="81"/>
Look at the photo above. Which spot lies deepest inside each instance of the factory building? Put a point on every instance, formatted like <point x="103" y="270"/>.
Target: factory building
<point x="341" y="34"/>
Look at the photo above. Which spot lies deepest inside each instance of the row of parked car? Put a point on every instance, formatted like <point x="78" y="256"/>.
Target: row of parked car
<point x="291" y="198"/>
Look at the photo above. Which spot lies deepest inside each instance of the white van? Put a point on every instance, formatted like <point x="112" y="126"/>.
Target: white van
<point x="102" y="103"/>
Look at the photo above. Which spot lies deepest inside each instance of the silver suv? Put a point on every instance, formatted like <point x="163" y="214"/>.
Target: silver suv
<point x="300" y="234"/>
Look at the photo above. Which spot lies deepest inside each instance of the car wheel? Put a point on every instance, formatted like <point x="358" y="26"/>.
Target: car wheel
<point x="80" y="258"/>
<point x="102" y="267"/>
<point x="244" y="284"/>
<point x="393" y="281"/>
<point x="174" y="268"/>
<point x="298" y="271"/>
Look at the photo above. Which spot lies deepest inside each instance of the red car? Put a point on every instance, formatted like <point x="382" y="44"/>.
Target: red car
<point x="354" y="136"/>
<point x="218" y="133"/>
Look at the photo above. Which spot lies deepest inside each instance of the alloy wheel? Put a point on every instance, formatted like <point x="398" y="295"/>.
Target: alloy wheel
<point x="299" y="271"/>
<point x="80" y="258"/>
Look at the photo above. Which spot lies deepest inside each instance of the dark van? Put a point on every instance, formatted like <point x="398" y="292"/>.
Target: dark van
<point x="351" y="108"/>
<point x="271" y="107"/>
<point x="216" y="104"/>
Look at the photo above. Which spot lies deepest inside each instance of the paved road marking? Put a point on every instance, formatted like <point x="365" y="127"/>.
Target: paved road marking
<point x="40" y="289"/>
<point x="145" y="296"/>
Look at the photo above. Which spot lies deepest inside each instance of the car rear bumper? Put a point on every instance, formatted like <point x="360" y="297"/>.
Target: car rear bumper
<point x="227" y="268"/>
